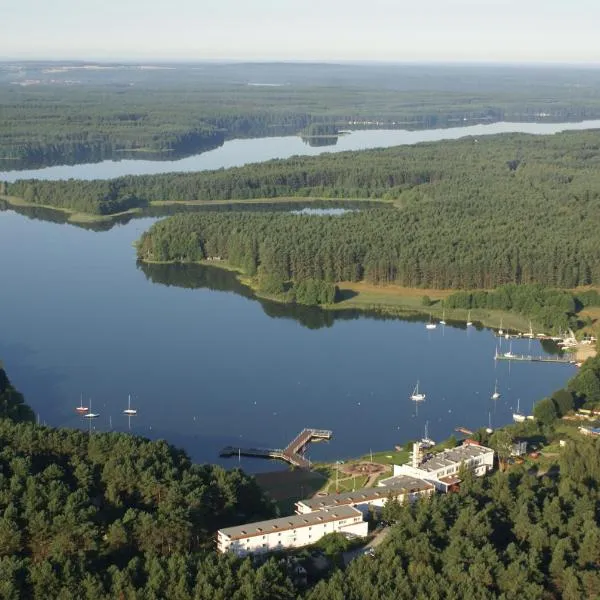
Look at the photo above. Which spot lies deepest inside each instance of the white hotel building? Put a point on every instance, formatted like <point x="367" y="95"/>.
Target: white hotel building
<point x="441" y="470"/>
<point x="402" y="489"/>
<point x="290" y="532"/>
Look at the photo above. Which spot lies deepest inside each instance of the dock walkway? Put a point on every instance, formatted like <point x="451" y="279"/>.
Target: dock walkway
<point x="529" y="358"/>
<point x="293" y="453"/>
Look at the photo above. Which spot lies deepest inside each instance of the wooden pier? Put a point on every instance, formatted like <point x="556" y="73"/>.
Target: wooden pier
<point x="293" y="453"/>
<point x="530" y="358"/>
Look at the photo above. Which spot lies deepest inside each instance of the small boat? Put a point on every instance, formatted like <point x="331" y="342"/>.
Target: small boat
<point x="443" y="321"/>
<point x="416" y="395"/>
<point x="518" y="417"/>
<point x="489" y="429"/>
<point x="496" y="393"/>
<point x="500" y="331"/>
<point x="81" y="409"/>
<point x="427" y="441"/>
<point x="509" y="354"/>
<point x="431" y="324"/>
<point x="90" y="414"/>
<point x="469" y="323"/>
<point x="129" y="411"/>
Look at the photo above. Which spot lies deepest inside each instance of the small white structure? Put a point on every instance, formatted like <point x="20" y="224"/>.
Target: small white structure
<point x="290" y="532"/>
<point x="441" y="470"/>
<point x="402" y="488"/>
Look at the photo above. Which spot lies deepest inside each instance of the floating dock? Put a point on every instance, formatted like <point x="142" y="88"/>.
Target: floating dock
<point x="464" y="430"/>
<point x="529" y="358"/>
<point x="293" y="453"/>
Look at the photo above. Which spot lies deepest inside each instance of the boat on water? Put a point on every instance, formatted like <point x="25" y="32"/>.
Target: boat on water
<point x="130" y="411"/>
<point x="90" y="414"/>
<point x="496" y="393"/>
<point x="81" y="409"/>
<point x="426" y="441"/>
<point x="431" y="324"/>
<point x="500" y="331"/>
<point x="518" y="417"/>
<point x="443" y="321"/>
<point x="417" y="396"/>
<point x="509" y="354"/>
<point x="469" y="322"/>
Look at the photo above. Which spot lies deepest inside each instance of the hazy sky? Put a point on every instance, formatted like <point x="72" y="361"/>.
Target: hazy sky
<point x="390" y="30"/>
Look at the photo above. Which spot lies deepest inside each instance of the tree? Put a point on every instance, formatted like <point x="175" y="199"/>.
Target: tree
<point x="501" y="441"/>
<point x="545" y="411"/>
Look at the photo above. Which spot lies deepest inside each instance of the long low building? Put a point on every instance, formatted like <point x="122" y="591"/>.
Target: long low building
<point x="290" y="532"/>
<point x="402" y="489"/>
<point x="442" y="469"/>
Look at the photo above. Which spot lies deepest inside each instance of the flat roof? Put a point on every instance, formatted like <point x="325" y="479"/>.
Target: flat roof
<point x="401" y="484"/>
<point x="453" y="456"/>
<point x="327" y="515"/>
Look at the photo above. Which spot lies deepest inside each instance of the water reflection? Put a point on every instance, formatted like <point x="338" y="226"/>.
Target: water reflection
<point x="50" y="215"/>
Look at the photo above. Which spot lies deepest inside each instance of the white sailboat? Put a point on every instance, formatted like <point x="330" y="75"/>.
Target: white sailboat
<point x="509" y="354"/>
<point x="427" y="441"/>
<point x="431" y="324"/>
<point x="496" y="393"/>
<point x="129" y="411"/>
<point x="469" y="323"/>
<point x="500" y="331"/>
<point x="416" y="395"/>
<point x="81" y="409"/>
<point x="443" y="321"/>
<point x="90" y="414"/>
<point x="489" y="427"/>
<point x="518" y="417"/>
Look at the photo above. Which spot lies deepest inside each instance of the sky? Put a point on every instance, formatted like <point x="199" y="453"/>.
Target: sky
<point x="352" y="30"/>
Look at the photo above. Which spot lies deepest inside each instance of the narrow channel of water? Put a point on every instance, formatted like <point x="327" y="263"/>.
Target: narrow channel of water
<point x="239" y="152"/>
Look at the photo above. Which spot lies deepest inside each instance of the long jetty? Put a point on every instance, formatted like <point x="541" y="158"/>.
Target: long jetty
<point x="293" y="453"/>
<point x="529" y="358"/>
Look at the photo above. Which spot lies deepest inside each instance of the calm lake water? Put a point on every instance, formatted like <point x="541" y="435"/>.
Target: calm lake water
<point x="208" y="365"/>
<point x="239" y="152"/>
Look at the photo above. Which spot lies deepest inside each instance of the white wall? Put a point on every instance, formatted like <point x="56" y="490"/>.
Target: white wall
<point x="293" y="538"/>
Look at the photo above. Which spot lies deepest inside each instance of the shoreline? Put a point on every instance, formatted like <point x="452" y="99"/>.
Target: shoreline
<point x="394" y="301"/>
<point x="81" y="218"/>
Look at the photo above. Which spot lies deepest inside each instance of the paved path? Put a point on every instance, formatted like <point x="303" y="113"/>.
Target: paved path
<point x="374" y="543"/>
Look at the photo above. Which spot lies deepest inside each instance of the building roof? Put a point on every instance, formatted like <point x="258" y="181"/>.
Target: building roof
<point x="453" y="456"/>
<point x="450" y="480"/>
<point x="402" y="484"/>
<point x="319" y="517"/>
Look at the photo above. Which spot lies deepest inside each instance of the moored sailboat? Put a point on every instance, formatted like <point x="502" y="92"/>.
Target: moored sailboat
<point x="90" y="414"/>
<point x="416" y="395"/>
<point x="129" y="411"/>
<point x="518" y="417"/>
<point x="81" y="409"/>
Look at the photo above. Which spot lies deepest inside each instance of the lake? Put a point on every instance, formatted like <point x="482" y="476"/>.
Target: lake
<point x="243" y="151"/>
<point x="209" y="365"/>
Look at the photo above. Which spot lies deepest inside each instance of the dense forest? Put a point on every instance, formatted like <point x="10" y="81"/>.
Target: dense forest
<point x="429" y="243"/>
<point x="71" y="112"/>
